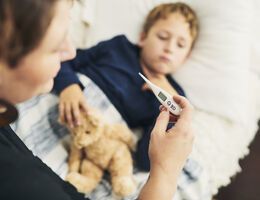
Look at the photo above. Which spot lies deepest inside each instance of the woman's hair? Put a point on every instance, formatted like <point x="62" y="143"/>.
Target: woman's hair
<point x="23" y="25"/>
<point x="162" y="11"/>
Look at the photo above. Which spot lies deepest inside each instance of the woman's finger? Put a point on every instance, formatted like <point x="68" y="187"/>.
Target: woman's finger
<point x="186" y="113"/>
<point x="183" y="124"/>
<point x="173" y="118"/>
<point x="161" y="122"/>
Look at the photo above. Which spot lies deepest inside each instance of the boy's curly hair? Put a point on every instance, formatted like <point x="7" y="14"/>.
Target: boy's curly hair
<point x="162" y="11"/>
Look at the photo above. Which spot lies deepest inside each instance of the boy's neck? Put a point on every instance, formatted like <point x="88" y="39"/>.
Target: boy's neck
<point x="159" y="79"/>
<point x="150" y="73"/>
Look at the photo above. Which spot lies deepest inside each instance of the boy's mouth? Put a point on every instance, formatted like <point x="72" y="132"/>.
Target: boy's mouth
<point x="165" y="59"/>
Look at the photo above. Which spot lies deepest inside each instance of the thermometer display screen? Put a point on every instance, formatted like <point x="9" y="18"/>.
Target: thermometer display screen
<point x="162" y="96"/>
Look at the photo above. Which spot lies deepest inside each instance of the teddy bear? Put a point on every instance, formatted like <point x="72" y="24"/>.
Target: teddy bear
<point x="97" y="147"/>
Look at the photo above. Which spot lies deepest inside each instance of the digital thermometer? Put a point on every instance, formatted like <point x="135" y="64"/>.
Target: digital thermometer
<point x="164" y="97"/>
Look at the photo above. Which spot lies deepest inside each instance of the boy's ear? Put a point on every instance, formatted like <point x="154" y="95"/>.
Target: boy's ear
<point x="188" y="55"/>
<point x="141" y="39"/>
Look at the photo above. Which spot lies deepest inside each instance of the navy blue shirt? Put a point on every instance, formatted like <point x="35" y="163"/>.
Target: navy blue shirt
<point x="114" y="65"/>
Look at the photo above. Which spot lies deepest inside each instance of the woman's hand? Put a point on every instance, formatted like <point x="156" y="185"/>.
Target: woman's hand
<point x="169" y="150"/>
<point x="72" y="102"/>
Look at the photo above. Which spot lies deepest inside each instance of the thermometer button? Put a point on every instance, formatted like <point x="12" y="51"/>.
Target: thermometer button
<point x="169" y="103"/>
<point x="173" y="107"/>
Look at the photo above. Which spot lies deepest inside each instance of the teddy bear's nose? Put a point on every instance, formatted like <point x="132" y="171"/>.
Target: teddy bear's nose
<point x="87" y="132"/>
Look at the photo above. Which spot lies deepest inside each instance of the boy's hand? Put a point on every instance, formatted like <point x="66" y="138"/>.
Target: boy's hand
<point x="168" y="150"/>
<point x="72" y="102"/>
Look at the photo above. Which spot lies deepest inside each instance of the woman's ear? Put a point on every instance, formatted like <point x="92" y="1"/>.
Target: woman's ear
<point x="141" y="39"/>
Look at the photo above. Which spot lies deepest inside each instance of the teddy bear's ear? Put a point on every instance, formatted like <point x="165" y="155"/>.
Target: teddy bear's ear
<point x="94" y="120"/>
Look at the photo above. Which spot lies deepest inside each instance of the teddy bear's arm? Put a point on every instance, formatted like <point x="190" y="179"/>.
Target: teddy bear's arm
<point x="75" y="158"/>
<point x="121" y="132"/>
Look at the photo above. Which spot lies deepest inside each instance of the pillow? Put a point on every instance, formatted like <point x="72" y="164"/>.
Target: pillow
<point x="215" y="77"/>
<point x="82" y="16"/>
<point x="256" y="38"/>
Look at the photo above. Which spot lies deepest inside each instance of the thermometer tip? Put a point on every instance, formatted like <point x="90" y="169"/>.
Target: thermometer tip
<point x="142" y="75"/>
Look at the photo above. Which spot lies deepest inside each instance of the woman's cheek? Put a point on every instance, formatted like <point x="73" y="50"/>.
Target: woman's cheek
<point x="47" y="87"/>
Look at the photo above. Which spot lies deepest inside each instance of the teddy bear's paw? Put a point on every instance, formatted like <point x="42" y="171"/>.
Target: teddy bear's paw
<point x="123" y="186"/>
<point x="132" y="145"/>
<point x="82" y="183"/>
<point x="75" y="179"/>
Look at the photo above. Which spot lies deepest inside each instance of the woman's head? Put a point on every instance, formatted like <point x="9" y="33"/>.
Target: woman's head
<point x="168" y="35"/>
<point x="34" y="40"/>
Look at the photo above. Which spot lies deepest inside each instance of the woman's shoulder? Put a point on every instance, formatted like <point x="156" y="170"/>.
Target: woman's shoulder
<point x="24" y="176"/>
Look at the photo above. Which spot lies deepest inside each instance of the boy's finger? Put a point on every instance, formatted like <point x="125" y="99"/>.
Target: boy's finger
<point x="76" y="114"/>
<point x="84" y="106"/>
<point x="68" y="115"/>
<point x="61" y="113"/>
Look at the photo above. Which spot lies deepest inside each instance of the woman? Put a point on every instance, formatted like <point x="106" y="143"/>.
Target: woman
<point x="33" y="42"/>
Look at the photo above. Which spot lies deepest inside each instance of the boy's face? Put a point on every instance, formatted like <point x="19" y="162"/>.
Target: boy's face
<point x="166" y="45"/>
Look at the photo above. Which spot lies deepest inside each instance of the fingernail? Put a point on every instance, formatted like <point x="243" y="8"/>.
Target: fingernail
<point x="164" y="113"/>
<point x="163" y="108"/>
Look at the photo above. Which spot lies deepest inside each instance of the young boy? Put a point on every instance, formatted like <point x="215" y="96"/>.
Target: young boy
<point x="168" y="35"/>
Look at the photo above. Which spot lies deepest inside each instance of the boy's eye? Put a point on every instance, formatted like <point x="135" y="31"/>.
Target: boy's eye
<point x="162" y="36"/>
<point x="181" y="44"/>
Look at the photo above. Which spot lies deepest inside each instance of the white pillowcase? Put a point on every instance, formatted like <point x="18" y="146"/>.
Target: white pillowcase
<point x="215" y="77"/>
<point x="256" y="38"/>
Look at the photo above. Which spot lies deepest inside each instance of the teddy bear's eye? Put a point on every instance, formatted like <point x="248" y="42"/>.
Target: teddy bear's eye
<point x="87" y="132"/>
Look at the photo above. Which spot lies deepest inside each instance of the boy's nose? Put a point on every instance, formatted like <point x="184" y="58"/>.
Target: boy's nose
<point x="170" y="47"/>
